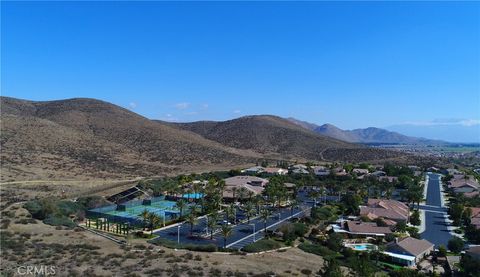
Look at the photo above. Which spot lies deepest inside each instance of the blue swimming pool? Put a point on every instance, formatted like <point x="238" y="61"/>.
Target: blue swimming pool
<point x="192" y="195"/>
<point x="361" y="246"/>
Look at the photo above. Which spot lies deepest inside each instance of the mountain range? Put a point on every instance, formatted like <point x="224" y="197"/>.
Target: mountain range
<point x="369" y="135"/>
<point x="79" y="138"/>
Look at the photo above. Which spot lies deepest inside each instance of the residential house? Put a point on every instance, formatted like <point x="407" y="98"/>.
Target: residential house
<point x="249" y="180"/>
<point x="339" y="171"/>
<point x="250" y="184"/>
<point x="474" y="252"/>
<point x="391" y="211"/>
<point x="378" y="173"/>
<point x="467" y="185"/>
<point x="275" y="171"/>
<point x="389" y="179"/>
<point x="360" y="171"/>
<point x="409" y="251"/>
<point x="254" y="170"/>
<point x="475" y="218"/>
<point x="299" y="171"/>
<point x="453" y="171"/>
<point x="365" y="229"/>
<point x="321" y="171"/>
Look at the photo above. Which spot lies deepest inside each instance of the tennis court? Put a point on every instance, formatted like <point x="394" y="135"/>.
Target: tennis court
<point x="130" y="211"/>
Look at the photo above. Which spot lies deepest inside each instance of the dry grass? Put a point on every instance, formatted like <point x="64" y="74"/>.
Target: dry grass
<point x="83" y="253"/>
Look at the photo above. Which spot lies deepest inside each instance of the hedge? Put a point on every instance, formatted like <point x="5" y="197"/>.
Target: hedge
<point x="262" y="245"/>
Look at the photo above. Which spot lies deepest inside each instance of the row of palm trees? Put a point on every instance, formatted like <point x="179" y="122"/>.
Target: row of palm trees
<point x="151" y="220"/>
<point x="212" y="202"/>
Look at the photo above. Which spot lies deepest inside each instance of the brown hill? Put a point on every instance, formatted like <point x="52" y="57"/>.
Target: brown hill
<point x="95" y="138"/>
<point x="276" y="136"/>
<point x="86" y="137"/>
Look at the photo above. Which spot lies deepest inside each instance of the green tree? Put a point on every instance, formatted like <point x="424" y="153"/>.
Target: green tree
<point x="442" y="251"/>
<point x="212" y="223"/>
<point x="293" y="205"/>
<point x="192" y="220"/>
<point x="153" y="221"/>
<point x="334" y="242"/>
<point x="181" y="205"/>
<point x="401" y="227"/>
<point x="249" y="210"/>
<point x="264" y="215"/>
<point x="415" y="218"/>
<point x="456" y="244"/>
<point x="226" y="232"/>
<point x="456" y="211"/>
<point x="144" y="215"/>
<point x="351" y="203"/>
<point x="469" y="266"/>
<point x="231" y="213"/>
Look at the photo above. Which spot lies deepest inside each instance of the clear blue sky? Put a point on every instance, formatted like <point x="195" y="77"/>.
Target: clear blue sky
<point x="350" y="64"/>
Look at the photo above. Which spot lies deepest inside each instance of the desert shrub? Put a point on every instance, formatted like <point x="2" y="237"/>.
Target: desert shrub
<point x="318" y="250"/>
<point x="66" y="207"/>
<point x="306" y="271"/>
<point x="191" y="247"/>
<point x="5" y="223"/>
<point x="140" y="246"/>
<point x="48" y="207"/>
<point x="334" y="242"/>
<point x="291" y="231"/>
<point x="262" y="245"/>
<point x="59" y="221"/>
<point x="92" y="202"/>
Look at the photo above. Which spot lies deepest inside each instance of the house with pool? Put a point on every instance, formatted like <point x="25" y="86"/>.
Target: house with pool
<point x="408" y="251"/>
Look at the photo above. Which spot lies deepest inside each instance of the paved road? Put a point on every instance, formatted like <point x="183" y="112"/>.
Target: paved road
<point x="436" y="226"/>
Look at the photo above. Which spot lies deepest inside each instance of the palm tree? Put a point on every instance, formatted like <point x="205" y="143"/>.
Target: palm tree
<point x="293" y="204"/>
<point x="231" y="213"/>
<point x="250" y="194"/>
<point x="212" y="223"/>
<point x="192" y="220"/>
<point x="226" y="232"/>
<point x="181" y="204"/>
<point x="314" y="195"/>
<point x="242" y="193"/>
<point x="264" y="215"/>
<point x="144" y="215"/>
<point x="249" y="210"/>
<point x="153" y="221"/>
